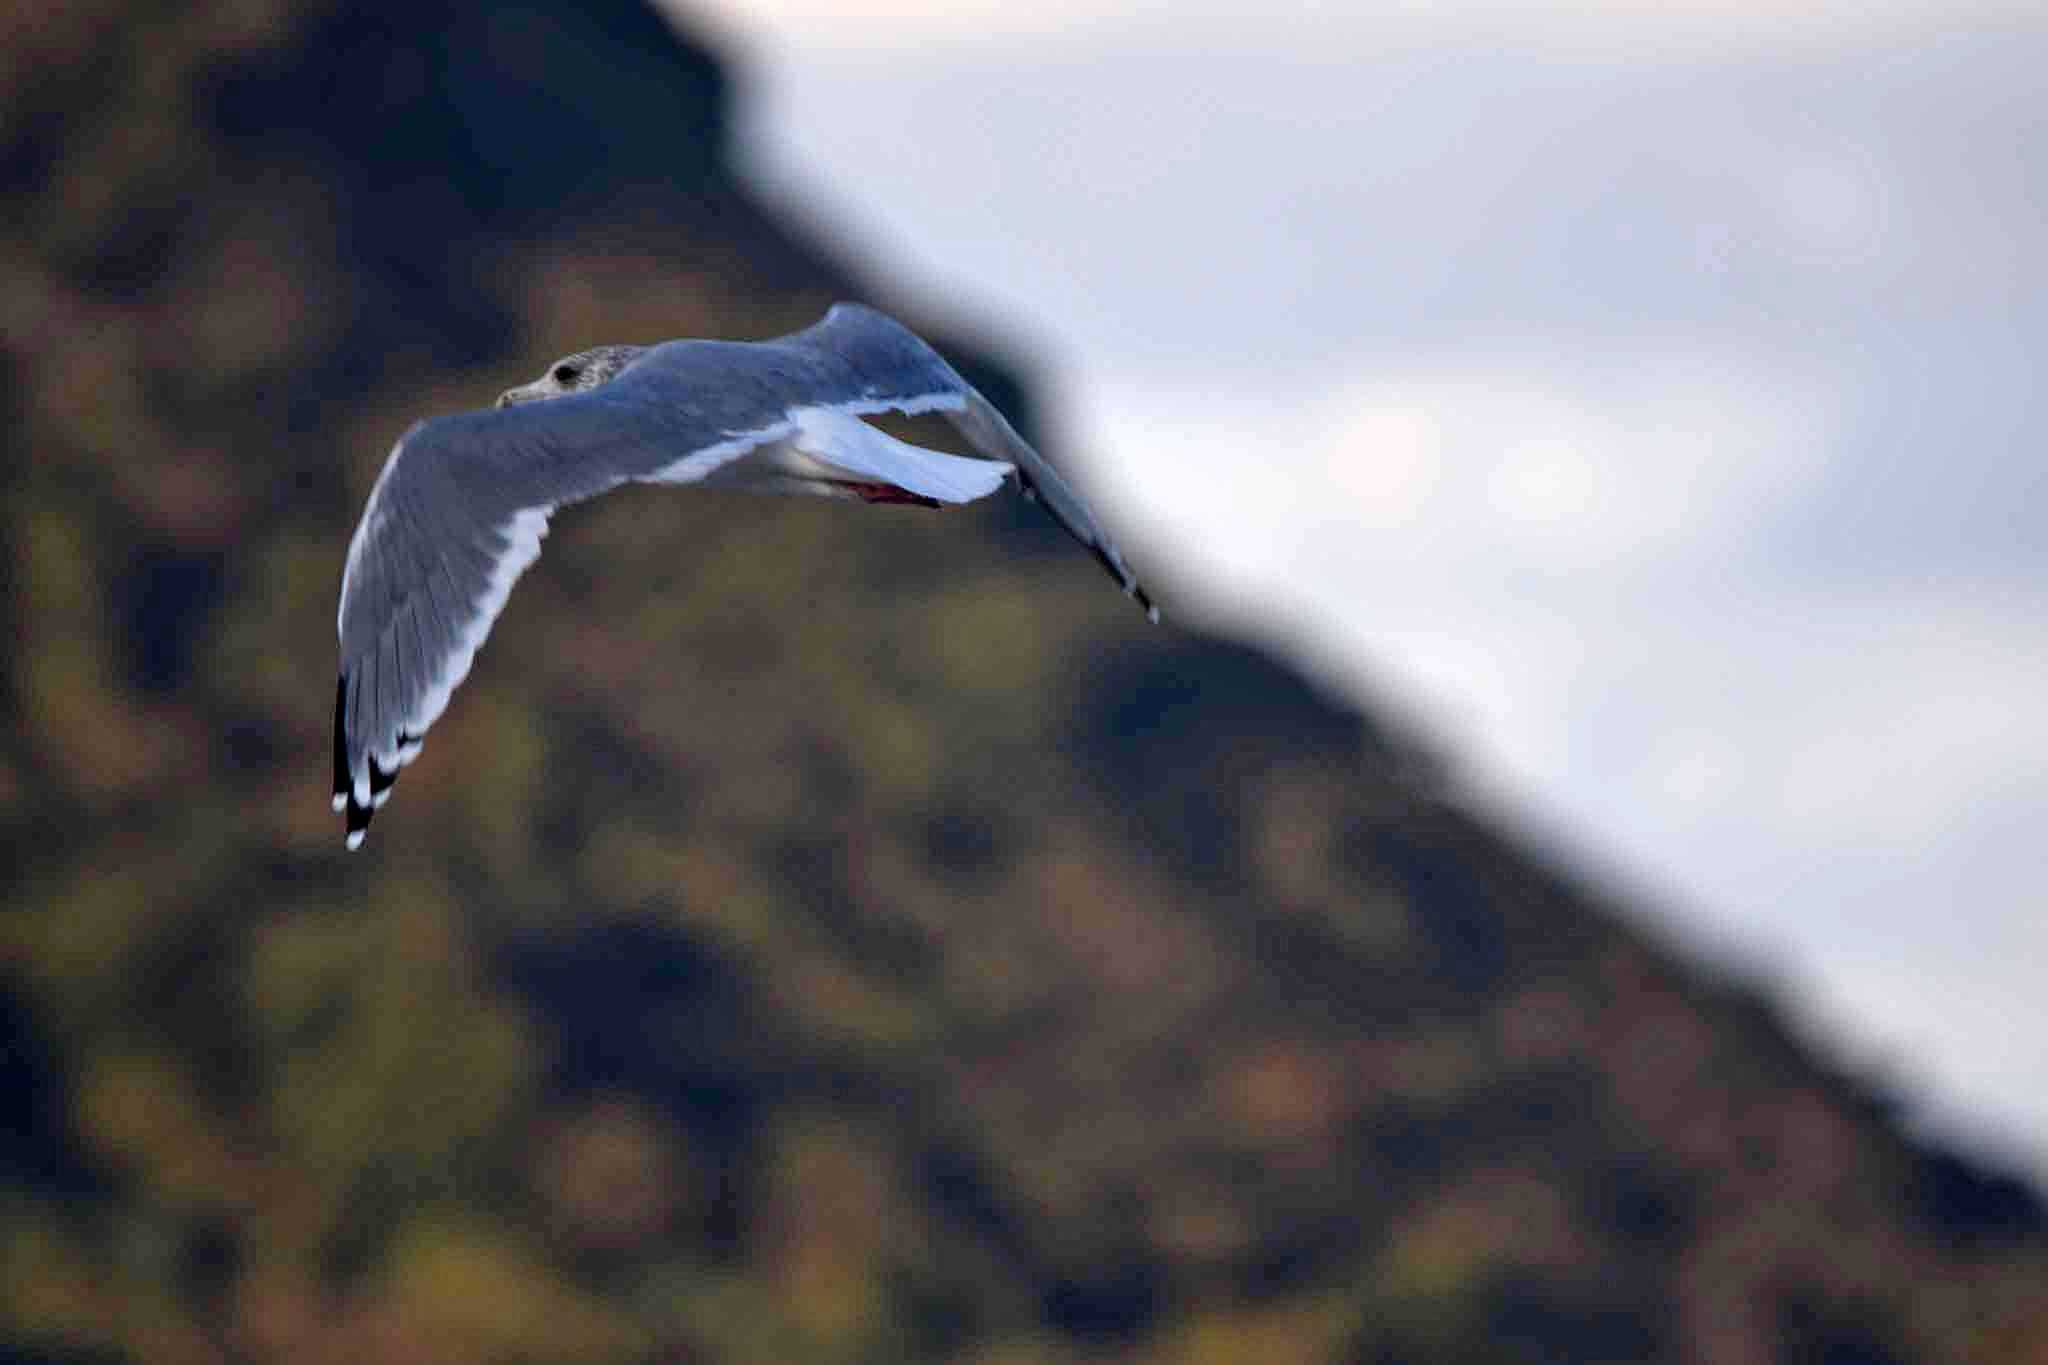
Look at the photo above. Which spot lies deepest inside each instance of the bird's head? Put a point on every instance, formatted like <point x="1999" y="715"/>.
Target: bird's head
<point x="573" y="374"/>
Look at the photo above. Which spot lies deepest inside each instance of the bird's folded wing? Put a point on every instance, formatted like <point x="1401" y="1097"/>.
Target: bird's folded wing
<point x="874" y="349"/>
<point x="991" y="433"/>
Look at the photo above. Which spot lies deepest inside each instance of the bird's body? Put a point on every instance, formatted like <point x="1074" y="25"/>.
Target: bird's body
<point x="462" y="503"/>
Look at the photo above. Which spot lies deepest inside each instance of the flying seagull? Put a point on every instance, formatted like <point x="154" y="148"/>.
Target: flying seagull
<point x="460" y="508"/>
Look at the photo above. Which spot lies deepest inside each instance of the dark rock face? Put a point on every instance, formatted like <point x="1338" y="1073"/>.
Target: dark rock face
<point x="442" y="129"/>
<point x="813" y="934"/>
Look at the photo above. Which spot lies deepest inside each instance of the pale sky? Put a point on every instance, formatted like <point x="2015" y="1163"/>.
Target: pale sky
<point x="1643" y="396"/>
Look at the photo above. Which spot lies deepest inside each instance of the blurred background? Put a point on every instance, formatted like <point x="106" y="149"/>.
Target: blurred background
<point x="1642" y="396"/>
<point x="1557" y="889"/>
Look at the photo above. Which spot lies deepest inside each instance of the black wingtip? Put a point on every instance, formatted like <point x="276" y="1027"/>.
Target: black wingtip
<point x="357" y="815"/>
<point x="341" y="782"/>
<point x="380" y="781"/>
<point x="1128" y="581"/>
<point x="359" y="818"/>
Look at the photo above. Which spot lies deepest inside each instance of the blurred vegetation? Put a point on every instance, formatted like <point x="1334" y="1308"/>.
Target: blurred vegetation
<point x="814" y="935"/>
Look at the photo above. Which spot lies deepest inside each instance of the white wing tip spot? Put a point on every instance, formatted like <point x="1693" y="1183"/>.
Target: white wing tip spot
<point x="340" y="803"/>
<point x="354" y="840"/>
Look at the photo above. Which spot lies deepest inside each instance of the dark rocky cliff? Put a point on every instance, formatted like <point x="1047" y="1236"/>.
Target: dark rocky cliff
<point x="814" y="933"/>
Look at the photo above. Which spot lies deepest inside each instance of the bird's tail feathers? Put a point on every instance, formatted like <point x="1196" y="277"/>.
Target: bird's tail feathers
<point x="845" y="442"/>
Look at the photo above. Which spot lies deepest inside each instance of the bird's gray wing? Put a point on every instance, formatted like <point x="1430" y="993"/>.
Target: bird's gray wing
<point x="870" y="343"/>
<point x="989" y="432"/>
<point x="455" y="517"/>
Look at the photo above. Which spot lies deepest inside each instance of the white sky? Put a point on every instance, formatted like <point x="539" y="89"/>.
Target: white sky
<point x="1645" y="395"/>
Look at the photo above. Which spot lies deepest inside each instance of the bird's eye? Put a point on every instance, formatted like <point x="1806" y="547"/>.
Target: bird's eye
<point x="566" y="374"/>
